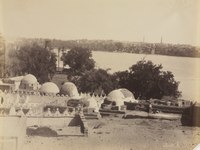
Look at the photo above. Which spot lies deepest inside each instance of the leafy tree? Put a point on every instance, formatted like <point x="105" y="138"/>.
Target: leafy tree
<point x="35" y="60"/>
<point x="147" y="81"/>
<point x="79" y="60"/>
<point x="122" y="78"/>
<point x="97" y="81"/>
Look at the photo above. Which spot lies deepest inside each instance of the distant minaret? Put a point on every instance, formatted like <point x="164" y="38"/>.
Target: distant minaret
<point x="161" y="40"/>
<point x="47" y="44"/>
<point x="59" y="49"/>
<point x="153" y="49"/>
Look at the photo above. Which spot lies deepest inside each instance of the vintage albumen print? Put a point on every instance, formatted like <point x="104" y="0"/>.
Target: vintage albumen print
<point x="99" y="74"/>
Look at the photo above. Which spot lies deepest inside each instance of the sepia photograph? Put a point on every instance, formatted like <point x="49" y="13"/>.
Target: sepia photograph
<point x="99" y="74"/>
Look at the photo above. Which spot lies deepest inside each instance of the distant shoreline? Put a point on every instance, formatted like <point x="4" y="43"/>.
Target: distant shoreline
<point x="145" y="54"/>
<point x="178" y="50"/>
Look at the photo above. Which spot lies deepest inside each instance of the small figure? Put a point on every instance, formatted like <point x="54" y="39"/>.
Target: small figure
<point x="150" y="108"/>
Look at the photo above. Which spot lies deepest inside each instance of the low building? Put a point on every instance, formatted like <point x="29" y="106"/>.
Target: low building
<point x="29" y="82"/>
<point x="10" y="84"/>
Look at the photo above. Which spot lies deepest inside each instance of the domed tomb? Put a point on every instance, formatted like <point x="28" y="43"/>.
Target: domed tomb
<point x="70" y="89"/>
<point x="29" y="82"/>
<point x="119" y="96"/>
<point x="49" y="88"/>
<point x="29" y="79"/>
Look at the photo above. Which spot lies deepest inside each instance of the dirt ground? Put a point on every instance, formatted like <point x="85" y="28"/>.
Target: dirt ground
<point x="123" y="134"/>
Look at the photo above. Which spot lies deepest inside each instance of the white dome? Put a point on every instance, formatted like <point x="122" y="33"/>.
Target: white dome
<point x="126" y="93"/>
<point x="119" y="96"/>
<point x="70" y="89"/>
<point x="49" y="88"/>
<point x="29" y="79"/>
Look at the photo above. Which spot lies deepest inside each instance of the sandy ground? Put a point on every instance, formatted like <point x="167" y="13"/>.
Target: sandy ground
<point x="123" y="134"/>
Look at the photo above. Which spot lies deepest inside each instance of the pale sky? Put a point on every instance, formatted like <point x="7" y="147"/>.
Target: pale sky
<point x="176" y="21"/>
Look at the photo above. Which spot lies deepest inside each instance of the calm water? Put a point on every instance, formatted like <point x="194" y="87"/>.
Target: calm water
<point x="186" y="70"/>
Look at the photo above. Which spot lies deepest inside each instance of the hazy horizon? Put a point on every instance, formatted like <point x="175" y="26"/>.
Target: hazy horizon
<point x="175" y="21"/>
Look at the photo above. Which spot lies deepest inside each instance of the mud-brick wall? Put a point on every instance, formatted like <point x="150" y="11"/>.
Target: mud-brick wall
<point x="12" y="132"/>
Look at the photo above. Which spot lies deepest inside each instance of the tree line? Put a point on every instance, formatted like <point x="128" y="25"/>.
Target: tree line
<point x="118" y="46"/>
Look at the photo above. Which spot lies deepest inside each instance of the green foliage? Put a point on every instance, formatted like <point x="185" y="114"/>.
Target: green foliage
<point x="97" y="81"/>
<point x="147" y="81"/>
<point x="35" y="60"/>
<point x="79" y="60"/>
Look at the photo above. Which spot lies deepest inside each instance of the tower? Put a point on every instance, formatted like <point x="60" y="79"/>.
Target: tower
<point x="161" y="40"/>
